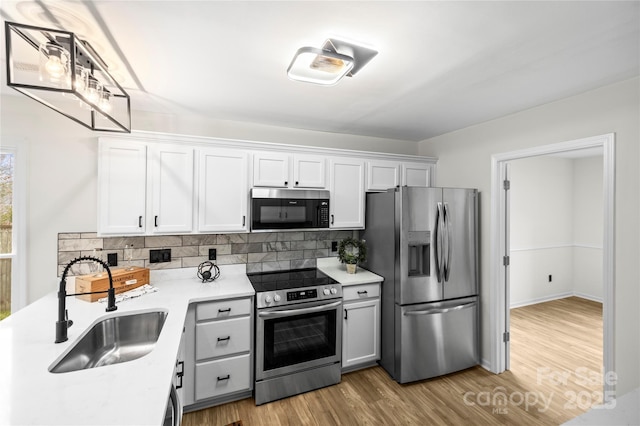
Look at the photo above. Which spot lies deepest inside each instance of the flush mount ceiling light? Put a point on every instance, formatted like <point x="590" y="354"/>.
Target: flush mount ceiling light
<point x="57" y="69"/>
<point x="328" y="65"/>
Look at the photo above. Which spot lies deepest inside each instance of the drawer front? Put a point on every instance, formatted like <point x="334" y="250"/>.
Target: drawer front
<point x="217" y="378"/>
<point x="219" y="338"/>
<point x="221" y="309"/>
<point x="363" y="291"/>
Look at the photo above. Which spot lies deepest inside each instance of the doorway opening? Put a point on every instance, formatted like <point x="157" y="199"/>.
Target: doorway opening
<point x="500" y="300"/>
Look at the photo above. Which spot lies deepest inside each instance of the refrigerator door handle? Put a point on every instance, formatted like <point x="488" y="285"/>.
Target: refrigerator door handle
<point x="441" y="310"/>
<point x="439" y="237"/>
<point x="448" y="238"/>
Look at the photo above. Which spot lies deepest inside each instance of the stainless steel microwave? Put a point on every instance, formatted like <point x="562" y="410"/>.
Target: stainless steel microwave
<point x="275" y="209"/>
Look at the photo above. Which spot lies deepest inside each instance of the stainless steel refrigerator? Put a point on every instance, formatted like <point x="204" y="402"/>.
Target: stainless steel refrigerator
<point x="424" y="242"/>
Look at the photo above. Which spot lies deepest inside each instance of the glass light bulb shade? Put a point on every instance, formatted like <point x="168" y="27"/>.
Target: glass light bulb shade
<point x="54" y="62"/>
<point x="93" y="91"/>
<point x="82" y="75"/>
<point x="104" y="103"/>
<point x="319" y="66"/>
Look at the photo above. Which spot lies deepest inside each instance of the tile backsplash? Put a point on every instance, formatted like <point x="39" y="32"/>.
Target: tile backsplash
<point x="261" y="252"/>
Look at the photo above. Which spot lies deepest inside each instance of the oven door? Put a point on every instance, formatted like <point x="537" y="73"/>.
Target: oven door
<point x="292" y="338"/>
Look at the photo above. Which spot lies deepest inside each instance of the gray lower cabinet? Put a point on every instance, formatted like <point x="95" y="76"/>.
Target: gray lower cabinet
<point x="360" y="326"/>
<point x="218" y="352"/>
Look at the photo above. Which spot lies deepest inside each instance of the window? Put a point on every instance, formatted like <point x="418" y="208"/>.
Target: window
<point x="7" y="240"/>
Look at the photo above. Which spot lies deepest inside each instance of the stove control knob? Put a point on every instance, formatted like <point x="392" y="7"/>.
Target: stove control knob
<point x="267" y="299"/>
<point x="326" y="291"/>
<point x="276" y="298"/>
<point x="334" y="290"/>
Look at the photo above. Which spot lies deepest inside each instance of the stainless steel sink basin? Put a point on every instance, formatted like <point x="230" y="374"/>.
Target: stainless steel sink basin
<point x="113" y="340"/>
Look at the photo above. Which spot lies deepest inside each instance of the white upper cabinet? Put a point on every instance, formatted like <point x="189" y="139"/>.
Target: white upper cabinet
<point x="382" y="175"/>
<point x="171" y="189"/>
<point x="309" y="171"/>
<point x="222" y="190"/>
<point x="271" y="169"/>
<point x="347" y="193"/>
<point x="416" y="174"/>
<point x="122" y="183"/>
<point x="280" y="170"/>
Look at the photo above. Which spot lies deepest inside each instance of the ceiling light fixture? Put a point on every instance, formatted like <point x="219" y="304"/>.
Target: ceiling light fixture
<point x="55" y="67"/>
<point x="326" y="66"/>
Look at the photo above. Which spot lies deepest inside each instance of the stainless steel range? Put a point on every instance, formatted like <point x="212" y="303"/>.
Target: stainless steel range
<point x="298" y="332"/>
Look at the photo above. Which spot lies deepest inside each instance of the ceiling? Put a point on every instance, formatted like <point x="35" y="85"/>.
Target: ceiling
<point x="441" y="66"/>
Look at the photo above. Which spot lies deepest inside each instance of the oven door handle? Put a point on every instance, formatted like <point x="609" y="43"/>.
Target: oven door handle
<point x="290" y="312"/>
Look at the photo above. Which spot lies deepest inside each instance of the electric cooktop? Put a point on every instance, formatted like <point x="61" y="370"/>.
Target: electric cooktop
<point x="291" y="279"/>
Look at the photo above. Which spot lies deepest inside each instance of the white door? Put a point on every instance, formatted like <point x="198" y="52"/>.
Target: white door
<point x="382" y="175"/>
<point x="347" y="193"/>
<point x="309" y="171"/>
<point x="222" y="191"/>
<point x="416" y="174"/>
<point x="171" y="189"/>
<point x="271" y="170"/>
<point x="122" y="174"/>
<point x="361" y="332"/>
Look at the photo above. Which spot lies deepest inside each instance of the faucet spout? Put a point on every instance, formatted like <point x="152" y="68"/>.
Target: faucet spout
<point x="63" y="323"/>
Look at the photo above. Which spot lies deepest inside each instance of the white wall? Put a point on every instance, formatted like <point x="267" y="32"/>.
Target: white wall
<point x="465" y="160"/>
<point x="62" y="168"/>
<point x="556" y="229"/>
<point x="541" y="229"/>
<point x="588" y="197"/>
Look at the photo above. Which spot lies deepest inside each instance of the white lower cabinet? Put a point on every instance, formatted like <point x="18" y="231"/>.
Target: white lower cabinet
<point x="222" y="376"/>
<point x="360" y="326"/>
<point x="218" y="353"/>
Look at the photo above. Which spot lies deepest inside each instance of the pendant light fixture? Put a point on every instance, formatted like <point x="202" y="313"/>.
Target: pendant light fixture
<point x="57" y="69"/>
<point x="327" y="66"/>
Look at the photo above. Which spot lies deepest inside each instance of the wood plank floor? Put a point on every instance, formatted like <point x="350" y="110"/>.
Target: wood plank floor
<point x="555" y="376"/>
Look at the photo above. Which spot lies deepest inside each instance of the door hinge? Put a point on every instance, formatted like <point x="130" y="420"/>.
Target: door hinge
<point x="505" y="260"/>
<point x="506" y="184"/>
<point x="506" y="336"/>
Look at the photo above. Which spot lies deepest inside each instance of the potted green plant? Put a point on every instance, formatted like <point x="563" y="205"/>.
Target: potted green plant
<point x="351" y="252"/>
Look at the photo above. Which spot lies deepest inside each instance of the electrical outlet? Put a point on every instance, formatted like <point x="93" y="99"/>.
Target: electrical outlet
<point x="112" y="259"/>
<point x="550" y="278"/>
<point x="160" y="256"/>
<point x="212" y="254"/>
<point x="334" y="246"/>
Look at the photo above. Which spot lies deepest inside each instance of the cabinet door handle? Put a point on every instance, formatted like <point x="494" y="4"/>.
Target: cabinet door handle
<point x="227" y="377"/>
<point x="155" y="221"/>
<point x="243" y="220"/>
<point x="345" y="314"/>
<point x="296" y="183"/>
<point x="286" y="183"/>
<point x="222" y="311"/>
<point x="363" y="292"/>
<point x="180" y="373"/>
<point x="139" y="221"/>
<point x="223" y="339"/>
<point x="332" y="219"/>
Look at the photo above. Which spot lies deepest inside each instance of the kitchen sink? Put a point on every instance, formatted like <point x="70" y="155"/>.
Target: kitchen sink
<point x="112" y="341"/>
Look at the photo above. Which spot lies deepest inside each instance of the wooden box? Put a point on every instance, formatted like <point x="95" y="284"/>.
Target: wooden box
<point x="123" y="280"/>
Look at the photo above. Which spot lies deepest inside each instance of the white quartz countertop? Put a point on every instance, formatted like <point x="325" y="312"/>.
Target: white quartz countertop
<point x="131" y="393"/>
<point x="336" y="270"/>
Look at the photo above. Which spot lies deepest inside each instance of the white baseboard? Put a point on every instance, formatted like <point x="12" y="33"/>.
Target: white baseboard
<point x="588" y="297"/>
<point x="541" y="299"/>
<point x="484" y="363"/>
<point x="555" y="297"/>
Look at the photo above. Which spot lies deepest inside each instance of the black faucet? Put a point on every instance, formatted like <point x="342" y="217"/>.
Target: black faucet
<point x="63" y="323"/>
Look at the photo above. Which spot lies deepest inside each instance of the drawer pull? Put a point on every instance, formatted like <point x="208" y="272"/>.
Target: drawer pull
<point x="227" y="377"/>
<point x="222" y="339"/>
<point x="222" y="311"/>
<point x="363" y="292"/>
